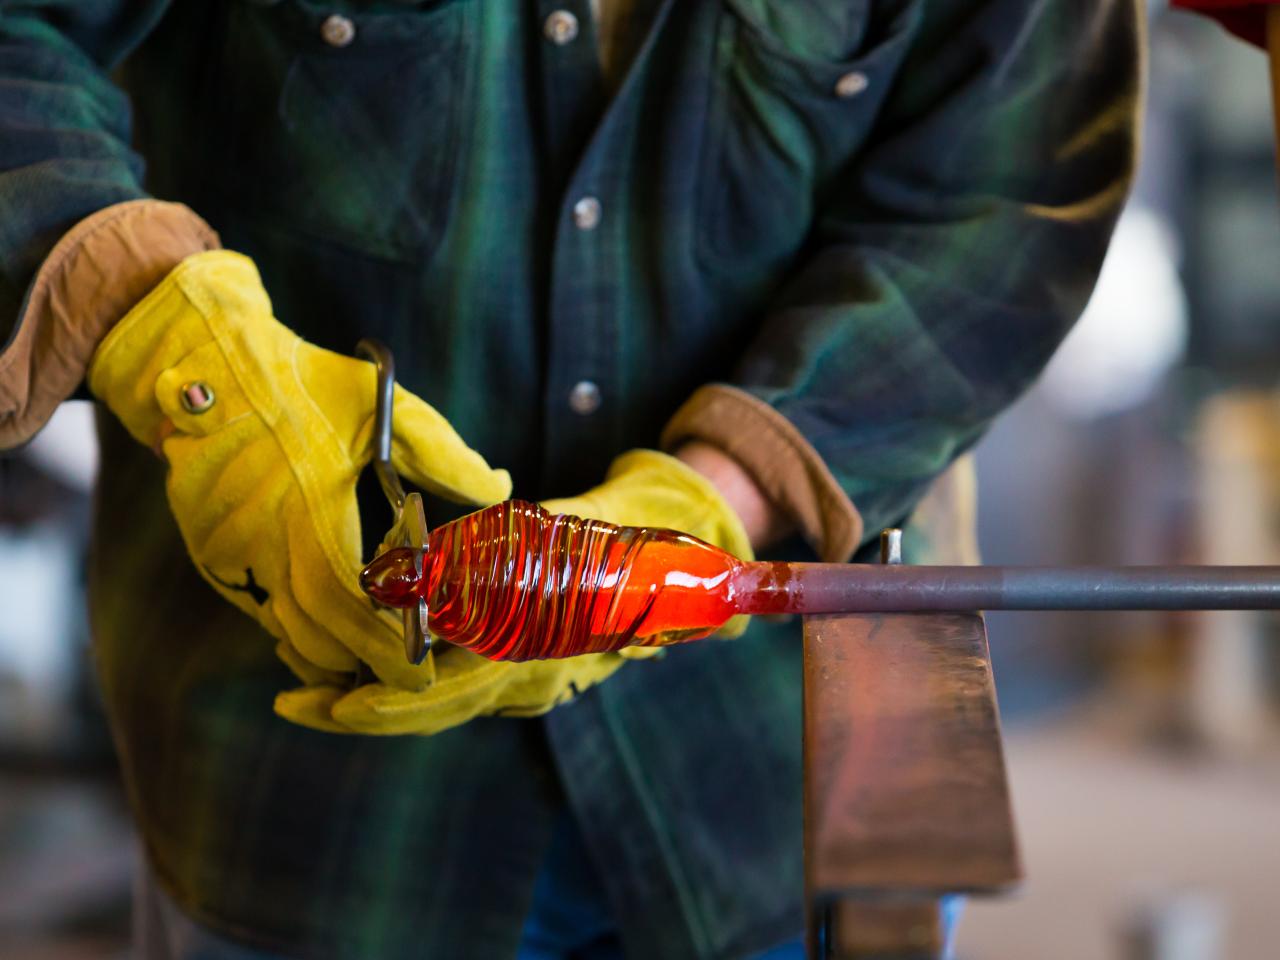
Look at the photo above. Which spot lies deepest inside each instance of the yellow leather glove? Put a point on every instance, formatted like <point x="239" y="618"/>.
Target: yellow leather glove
<point x="643" y="488"/>
<point x="265" y="436"/>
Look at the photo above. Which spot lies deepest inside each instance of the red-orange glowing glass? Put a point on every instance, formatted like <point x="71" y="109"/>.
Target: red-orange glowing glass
<point x="512" y="582"/>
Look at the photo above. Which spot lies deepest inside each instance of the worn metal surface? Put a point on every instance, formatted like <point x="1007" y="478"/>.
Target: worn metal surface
<point x="905" y="789"/>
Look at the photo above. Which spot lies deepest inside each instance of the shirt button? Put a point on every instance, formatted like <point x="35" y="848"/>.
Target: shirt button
<point x="337" y="31"/>
<point x="584" y="398"/>
<point x="561" y="27"/>
<point x="851" y="84"/>
<point x="586" y="213"/>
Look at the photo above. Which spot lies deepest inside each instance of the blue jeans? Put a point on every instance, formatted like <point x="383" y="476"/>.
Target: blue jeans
<point x="570" y="918"/>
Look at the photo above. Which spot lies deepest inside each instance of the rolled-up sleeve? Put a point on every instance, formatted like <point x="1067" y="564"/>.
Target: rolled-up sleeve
<point x="79" y="239"/>
<point x="946" y="265"/>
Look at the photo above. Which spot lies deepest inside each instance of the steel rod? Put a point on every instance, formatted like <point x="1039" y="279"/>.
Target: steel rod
<point x="867" y="588"/>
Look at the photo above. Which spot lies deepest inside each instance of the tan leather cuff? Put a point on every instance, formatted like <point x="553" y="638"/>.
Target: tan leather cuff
<point x="780" y="460"/>
<point x="93" y="276"/>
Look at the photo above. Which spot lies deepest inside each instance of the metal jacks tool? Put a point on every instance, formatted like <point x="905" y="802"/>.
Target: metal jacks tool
<point x="410" y="526"/>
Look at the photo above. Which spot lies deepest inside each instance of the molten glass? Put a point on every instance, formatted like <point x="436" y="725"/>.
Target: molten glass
<point x="512" y="582"/>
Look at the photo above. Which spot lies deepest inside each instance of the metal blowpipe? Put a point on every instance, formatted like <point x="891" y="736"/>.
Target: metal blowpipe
<point x="844" y="588"/>
<point x="894" y="587"/>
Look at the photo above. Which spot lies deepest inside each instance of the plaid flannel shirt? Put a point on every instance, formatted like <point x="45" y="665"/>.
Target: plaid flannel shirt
<point x="878" y="217"/>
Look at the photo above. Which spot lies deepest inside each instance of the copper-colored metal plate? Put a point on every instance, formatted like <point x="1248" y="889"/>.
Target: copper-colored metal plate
<point x="905" y="787"/>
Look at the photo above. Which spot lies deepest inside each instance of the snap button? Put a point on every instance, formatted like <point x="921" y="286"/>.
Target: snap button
<point x="851" y="84"/>
<point x="561" y="27"/>
<point x="196" y="396"/>
<point x="584" y="398"/>
<point x="586" y="213"/>
<point x="337" y="30"/>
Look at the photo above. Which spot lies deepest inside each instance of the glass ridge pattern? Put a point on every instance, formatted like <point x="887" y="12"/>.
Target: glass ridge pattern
<point x="513" y="582"/>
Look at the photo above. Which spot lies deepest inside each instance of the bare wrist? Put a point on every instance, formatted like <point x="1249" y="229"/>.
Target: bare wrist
<point x="764" y="522"/>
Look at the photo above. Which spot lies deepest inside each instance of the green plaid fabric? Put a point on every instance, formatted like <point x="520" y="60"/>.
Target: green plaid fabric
<point x="879" y="216"/>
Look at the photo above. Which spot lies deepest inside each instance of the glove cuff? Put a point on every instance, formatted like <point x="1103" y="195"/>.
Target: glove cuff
<point x="136" y="370"/>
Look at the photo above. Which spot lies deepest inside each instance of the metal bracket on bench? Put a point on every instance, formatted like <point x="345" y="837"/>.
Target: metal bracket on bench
<point x="906" y="797"/>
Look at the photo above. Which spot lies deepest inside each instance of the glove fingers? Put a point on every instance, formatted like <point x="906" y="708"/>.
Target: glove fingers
<point x="312" y="707"/>
<point x="220" y="515"/>
<point x="309" y="638"/>
<point x="304" y="669"/>
<point x="429" y="452"/>
<point x="585" y="505"/>
<point x="457" y="696"/>
<point x="638" y="652"/>
<point x="372" y="635"/>
<point x="336" y="709"/>
<point x="316" y="593"/>
<point x="371" y="710"/>
<point x="468" y="686"/>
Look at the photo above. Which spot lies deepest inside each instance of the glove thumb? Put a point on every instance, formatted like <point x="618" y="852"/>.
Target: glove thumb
<point x="428" y="452"/>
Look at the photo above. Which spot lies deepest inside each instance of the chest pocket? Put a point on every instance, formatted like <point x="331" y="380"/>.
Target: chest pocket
<point x="796" y="88"/>
<point x="344" y="118"/>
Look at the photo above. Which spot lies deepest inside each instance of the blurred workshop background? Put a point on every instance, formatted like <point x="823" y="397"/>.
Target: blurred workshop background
<point x="1144" y="750"/>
